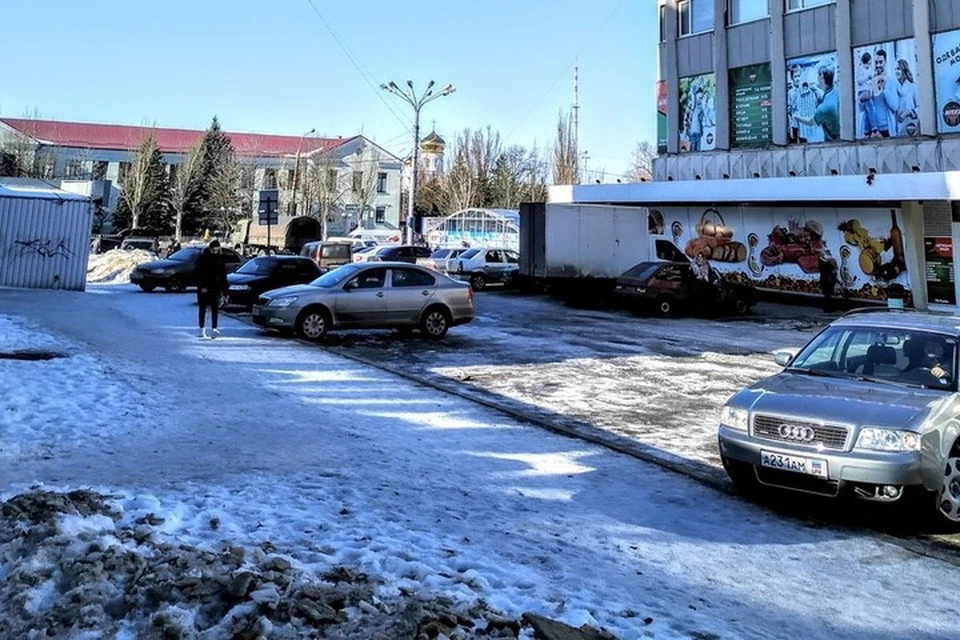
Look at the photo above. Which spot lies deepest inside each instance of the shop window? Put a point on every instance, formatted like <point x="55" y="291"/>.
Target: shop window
<point x="381" y="215"/>
<point x="696" y="16"/>
<point x="748" y="10"/>
<point x="270" y="179"/>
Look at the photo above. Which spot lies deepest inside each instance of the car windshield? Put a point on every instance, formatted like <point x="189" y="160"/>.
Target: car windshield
<point x="466" y="255"/>
<point x="258" y="267"/>
<point x="336" y="277"/>
<point x="185" y="255"/>
<point x="642" y="271"/>
<point x="440" y="253"/>
<point x="907" y="357"/>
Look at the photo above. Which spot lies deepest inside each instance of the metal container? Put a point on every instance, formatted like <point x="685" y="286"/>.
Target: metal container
<point x="44" y="238"/>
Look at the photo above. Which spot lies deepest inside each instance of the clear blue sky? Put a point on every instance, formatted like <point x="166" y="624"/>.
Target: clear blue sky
<point x="273" y="67"/>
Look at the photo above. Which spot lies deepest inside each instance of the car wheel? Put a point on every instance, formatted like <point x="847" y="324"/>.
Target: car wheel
<point x="313" y="324"/>
<point x="741" y="307"/>
<point x="147" y="288"/>
<point x="666" y="306"/>
<point x="948" y="497"/>
<point x="742" y="475"/>
<point x="478" y="282"/>
<point x="435" y="323"/>
<point x="175" y="286"/>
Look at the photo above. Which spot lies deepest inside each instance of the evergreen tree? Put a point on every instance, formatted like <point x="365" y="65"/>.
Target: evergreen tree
<point x="219" y="180"/>
<point x="145" y="196"/>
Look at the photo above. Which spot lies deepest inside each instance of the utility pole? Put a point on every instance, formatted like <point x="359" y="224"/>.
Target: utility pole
<point x="575" y="115"/>
<point x="409" y="95"/>
<point x="296" y="173"/>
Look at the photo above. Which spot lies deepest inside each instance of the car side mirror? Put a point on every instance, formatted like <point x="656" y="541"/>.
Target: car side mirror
<point x="783" y="358"/>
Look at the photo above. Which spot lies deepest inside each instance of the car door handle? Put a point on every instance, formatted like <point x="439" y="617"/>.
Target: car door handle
<point x="425" y="292"/>
<point x="379" y="294"/>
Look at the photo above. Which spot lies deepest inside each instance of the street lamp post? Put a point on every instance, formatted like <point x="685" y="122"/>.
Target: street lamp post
<point x="409" y="95"/>
<point x="296" y="173"/>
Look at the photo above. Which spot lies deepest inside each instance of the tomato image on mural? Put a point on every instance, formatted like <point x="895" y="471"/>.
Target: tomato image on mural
<point x="796" y="243"/>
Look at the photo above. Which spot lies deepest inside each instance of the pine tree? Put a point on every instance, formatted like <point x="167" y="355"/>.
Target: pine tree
<point x="145" y="196"/>
<point x="219" y="179"/>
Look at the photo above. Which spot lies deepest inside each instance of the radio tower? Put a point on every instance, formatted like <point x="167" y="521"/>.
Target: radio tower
<point x="575" y="114"/>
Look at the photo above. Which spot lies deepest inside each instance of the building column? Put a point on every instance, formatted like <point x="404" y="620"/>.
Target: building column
<point x="926" y="100"/>
<point x="722" y="75"/>
<point x="778" y="74"/>
<point x="671" y="75"/>
<point x="848" y="126"/>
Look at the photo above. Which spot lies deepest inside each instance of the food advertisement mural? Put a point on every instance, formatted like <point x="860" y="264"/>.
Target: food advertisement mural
<point x="781" y="249"/>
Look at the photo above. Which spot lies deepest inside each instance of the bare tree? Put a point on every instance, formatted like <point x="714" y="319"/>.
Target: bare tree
<point x="566" y="158"/>
<point x="519" y="176"/>
<point x="364" y="183"/>
<point x="184" y="187"/>
<point x="145" y="192"/>
<point x="325" y="187"/>
<point x="21" y="154"/>
<point x="641" y="164"/>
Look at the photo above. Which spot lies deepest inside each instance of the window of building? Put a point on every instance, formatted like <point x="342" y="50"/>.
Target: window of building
<point x="124" y="171"/>
<point x="663" y="23"/>
<point x="793" y="5"/>
<point x="73" y="169"/>
<point x="100" y="170"/>
<point x="747" y="10"/>
<point x="269" y="178"/>
<point x="381" y="215"/>
<point x="382" y="182"/>
<point x="696" y="16"/>
<point x="357" y="181"/>
<point x="332" y="178"/>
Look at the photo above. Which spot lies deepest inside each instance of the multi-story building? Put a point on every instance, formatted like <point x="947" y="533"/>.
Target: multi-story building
<point x="790" y="127"/>
<point x="360" y="181"/>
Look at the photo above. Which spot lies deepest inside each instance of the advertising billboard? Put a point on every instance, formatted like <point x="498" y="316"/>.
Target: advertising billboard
<point x="885" y="76"/>
<point x="662" y="116"/>
<point x="946" y="78"/>
<point x="750" y="106"/>
<point x="698" y="113"/>
<point x="813" y="102"/>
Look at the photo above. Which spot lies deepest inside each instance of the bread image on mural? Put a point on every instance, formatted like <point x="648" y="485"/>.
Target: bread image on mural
<point x="715" y="240"/>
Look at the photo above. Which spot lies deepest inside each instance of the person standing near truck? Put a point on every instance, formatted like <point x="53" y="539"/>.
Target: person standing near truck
<point x="211" y="275"/>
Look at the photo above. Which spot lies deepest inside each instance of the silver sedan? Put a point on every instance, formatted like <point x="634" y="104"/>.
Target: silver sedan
<point x="368" y="295"/>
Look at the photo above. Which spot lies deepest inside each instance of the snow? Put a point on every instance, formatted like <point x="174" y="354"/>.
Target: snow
<point x="256" y="441"/>
<point x="116" y="265"/>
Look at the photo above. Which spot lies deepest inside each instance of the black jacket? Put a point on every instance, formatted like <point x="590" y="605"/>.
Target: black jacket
<point x="211" y="271"/>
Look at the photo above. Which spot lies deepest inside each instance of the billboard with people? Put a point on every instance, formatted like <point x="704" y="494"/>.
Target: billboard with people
<point x="946" y="77"/>
<point x="813" y="104"/>
<point x="885" y="77"/>
<point x="698" y="113"/>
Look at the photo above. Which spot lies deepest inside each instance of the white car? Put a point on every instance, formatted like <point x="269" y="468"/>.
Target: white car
<point x="480" y="266"/>
<point x="442" y="259"/>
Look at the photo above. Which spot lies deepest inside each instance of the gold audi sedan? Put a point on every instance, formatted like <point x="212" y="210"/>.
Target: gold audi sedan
<point x="381" y="295"/>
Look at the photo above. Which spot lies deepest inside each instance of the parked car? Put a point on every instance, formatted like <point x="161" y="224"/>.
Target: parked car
<point x="328" y="254"/>
<point x="441" y="259"/>
<point x="143" y="244"/>
<point x="266" y="273"/>
<point x="670" y="287"/>
<point x="868" y="408"/>
<point x="398" y="253"/>
<point x="481" y="266"/>
<point x="176" y="272"/>
<point x="368" y="295"/>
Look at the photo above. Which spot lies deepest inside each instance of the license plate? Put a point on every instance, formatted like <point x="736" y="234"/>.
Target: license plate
<point x="809" y="466"/>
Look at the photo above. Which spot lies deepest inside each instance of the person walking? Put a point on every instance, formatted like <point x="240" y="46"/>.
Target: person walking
<point x="211" y="276"/>
<point x="828" y="277"/>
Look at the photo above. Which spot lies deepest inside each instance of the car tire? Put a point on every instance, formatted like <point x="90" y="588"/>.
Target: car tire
<point x="435" y="323"/>
<point x="666" y="306"/>
<point x="313" y="323"/>
<point x="741" y="307"/>
<point x="175" y="286"/>
<point x="147" y="288"/>
<point x="478" y="282"/>
<point x="742" y="475"/>
<point x="947" y="503"/>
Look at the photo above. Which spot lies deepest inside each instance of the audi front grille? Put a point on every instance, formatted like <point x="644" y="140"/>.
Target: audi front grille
<point x="262" y="302"/>
<point x="801" y="432"/>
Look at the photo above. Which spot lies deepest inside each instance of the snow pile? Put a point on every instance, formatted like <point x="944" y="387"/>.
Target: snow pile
<point x="115" y="266"/>
<point x="84" y="563"/>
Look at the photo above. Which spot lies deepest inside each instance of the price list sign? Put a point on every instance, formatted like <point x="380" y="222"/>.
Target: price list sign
<point x="750" y="106"/>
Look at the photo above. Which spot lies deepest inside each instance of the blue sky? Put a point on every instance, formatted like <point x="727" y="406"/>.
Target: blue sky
<point x="273" y="67"/>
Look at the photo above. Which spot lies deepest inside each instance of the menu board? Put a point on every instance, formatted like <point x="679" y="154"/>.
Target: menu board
<point x="939" y="273"/>
<point x="750" y="106"/>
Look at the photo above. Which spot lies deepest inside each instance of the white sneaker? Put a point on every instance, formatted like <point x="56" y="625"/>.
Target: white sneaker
<point x="216" y="334"/>
<point x="203" y="332"/>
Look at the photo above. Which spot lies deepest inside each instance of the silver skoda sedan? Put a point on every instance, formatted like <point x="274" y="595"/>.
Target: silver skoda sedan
<point x="368" y="295"/>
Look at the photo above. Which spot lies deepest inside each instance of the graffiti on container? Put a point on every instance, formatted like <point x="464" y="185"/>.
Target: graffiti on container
<point x="42" y="248"/>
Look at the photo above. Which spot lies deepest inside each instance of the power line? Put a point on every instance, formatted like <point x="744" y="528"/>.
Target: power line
<point x="566" y="70"/>
<point x="356" y="66"/>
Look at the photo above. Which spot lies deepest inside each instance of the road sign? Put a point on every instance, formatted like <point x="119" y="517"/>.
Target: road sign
<point x="268" y="210"/>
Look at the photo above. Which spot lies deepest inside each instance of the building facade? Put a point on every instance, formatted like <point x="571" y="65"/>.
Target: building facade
<point x="352" y="181"/>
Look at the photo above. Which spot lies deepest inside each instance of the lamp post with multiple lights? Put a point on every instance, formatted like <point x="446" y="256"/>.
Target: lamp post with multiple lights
<point x="410" y="96"/>
<point x="296" y="173"/>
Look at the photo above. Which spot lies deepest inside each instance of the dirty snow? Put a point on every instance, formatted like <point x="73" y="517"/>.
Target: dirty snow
<point x="330" y="464"/>
<point x="116" y="265"/>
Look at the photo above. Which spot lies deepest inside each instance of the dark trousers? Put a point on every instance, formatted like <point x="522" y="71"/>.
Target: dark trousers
<point x="209" y="299"/>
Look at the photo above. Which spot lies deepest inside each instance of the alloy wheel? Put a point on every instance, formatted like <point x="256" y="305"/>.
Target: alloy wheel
<point x="314" y="326"/>
<point x="435" y="324"/>
<point x="948" y="501"/>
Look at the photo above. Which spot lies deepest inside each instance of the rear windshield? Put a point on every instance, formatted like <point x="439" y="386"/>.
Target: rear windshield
<point x="185" y="255"/>
<point x="335" y="251"/>
<point x="469" y="253"/>
<point x="643" y="270"/>
<point x="258" y="267"/>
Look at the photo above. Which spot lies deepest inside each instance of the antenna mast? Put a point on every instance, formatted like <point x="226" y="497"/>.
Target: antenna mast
<point x="575" y="114"/>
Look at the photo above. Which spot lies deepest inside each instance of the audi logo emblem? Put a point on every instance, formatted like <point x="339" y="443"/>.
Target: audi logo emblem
<point x="796" y="432"/>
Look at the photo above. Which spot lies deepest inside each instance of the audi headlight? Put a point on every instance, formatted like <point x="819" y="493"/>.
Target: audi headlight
<point x="734" y="418"/>
<point x="239" y="287"/>
<point x="888" y="440"/>
<point x="282" y="302"/>
<point x="159" y="272"/>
